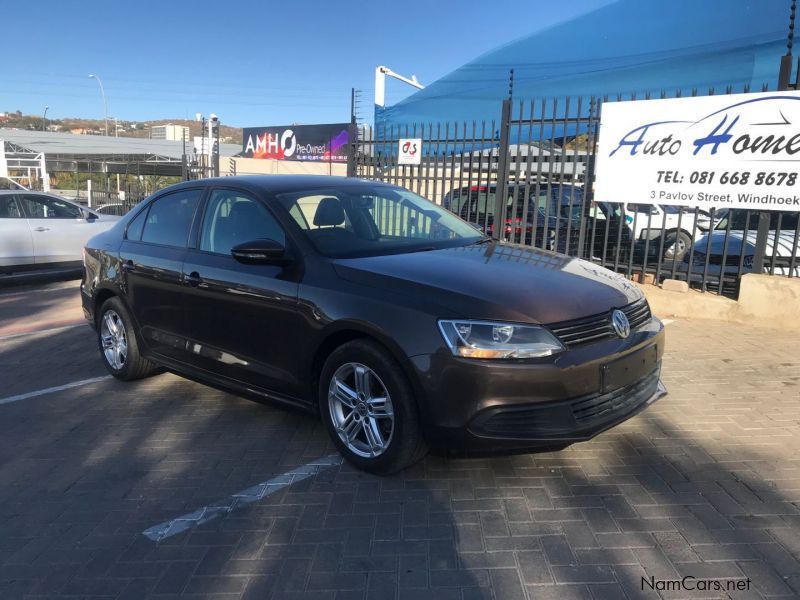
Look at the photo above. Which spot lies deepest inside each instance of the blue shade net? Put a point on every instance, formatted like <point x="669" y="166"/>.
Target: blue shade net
<point x="627" y="47"/>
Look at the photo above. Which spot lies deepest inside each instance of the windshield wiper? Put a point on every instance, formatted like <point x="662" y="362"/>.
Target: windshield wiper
<point x="485" y="240"/>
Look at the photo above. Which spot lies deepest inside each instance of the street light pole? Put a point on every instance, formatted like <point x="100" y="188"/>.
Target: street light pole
<point x="44" y="118"/>
<point x="105" y="104"/>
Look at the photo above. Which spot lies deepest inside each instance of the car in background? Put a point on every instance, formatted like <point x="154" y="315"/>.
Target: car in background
<point x="680" y="225"/>
<point x="781" y="248"/>
<point x="553" y="211"/>
<point x="116" y="209"/>
<point x="40" y="230"/>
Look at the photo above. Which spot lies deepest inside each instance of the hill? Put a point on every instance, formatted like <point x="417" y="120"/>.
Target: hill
<point x="136" y="129"/>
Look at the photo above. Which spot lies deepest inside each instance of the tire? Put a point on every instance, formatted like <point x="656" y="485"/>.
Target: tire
<point x="676" y="245"/>
<point x="119" y="347"/>
<point x="366" y="424"/>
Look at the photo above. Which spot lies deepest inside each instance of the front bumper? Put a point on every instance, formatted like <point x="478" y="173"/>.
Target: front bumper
<point x="489" y="406"/>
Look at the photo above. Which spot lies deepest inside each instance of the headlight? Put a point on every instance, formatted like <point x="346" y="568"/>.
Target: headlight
<point x="484" y="339"/>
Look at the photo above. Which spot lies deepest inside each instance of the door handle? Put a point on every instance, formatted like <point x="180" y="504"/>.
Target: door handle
<point x="41" y="229"/>
<point x="193" y="279"/>
<point x="128" y="266"/>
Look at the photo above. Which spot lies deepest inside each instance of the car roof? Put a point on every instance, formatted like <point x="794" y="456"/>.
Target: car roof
<point x="277" y="184"/>
<point x="34" y="192"/>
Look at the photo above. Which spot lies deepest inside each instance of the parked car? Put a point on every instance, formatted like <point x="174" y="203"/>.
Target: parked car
<point x="42" y="230"/>
<point x="397" y="322"/>
<point x="117" y="209"/>
<point x="555" y="211"/>
<point x="782" y="246"/>
<point x="680" y="226"/>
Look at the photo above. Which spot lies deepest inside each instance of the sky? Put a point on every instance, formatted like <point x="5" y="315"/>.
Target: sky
<point x="251" y="63"/>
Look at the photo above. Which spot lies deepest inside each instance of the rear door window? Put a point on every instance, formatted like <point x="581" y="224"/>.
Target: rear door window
<point x="9" y="208"/>
<point x="169" y="218"/>
<point x="136" y="226"/>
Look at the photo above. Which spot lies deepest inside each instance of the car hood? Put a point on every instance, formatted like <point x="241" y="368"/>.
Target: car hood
<point x="737" y="242"/>
<point x="496" y="281"/>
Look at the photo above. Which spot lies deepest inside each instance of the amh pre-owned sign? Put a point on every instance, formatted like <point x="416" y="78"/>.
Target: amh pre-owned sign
<point x="298" y="142"/>
<point x="735" y="151"/>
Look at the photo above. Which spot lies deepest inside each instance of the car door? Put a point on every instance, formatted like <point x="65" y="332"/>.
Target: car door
<point x="16" y="241"/>
<point x="151" y="258"/>
<point x="244" y="320"/>
<point x="58" y="227"/>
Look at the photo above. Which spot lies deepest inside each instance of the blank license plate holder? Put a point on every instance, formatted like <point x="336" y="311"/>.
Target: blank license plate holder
<point x="630" y="368"/>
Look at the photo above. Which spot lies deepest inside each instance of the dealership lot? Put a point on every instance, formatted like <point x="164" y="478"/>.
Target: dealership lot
<point x="249" y="500"/>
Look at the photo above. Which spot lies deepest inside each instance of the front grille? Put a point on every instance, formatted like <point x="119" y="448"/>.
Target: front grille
<point x="568" y="418"/>
<point x="598" y="327"/>
<point x="699" y="260"/>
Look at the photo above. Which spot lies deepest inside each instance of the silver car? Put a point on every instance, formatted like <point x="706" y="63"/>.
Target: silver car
<point x="38" y="230"/>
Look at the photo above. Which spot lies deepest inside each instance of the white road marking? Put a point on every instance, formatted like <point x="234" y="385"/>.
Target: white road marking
<point x="667" y="321"/>
<point x="51" y="330"/>
<point x="58" y="388"/>
<point x="248" y="496"/>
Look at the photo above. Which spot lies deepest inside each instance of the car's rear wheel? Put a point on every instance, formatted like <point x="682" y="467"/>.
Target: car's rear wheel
<point x="118" y="345"/>
<point x="368" y="407"/>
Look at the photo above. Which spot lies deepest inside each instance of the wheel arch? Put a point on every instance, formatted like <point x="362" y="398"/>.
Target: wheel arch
<point x="100" y="298"/>
<point x="346" y="332"/>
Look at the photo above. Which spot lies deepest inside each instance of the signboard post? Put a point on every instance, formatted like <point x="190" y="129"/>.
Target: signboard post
<point x="409" y="151"/>
<point x="734" y="151"/>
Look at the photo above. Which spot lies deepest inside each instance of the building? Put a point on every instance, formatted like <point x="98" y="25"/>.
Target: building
<point x="169" y="132"/>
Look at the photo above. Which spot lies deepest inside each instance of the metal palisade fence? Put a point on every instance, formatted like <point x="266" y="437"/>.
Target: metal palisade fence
<point x="527" y="178"/>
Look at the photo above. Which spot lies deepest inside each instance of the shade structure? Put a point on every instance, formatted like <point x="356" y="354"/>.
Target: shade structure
<point x="626" y="47"/>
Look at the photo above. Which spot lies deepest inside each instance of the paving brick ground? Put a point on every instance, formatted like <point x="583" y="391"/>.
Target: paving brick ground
<point x="705" y="483"/>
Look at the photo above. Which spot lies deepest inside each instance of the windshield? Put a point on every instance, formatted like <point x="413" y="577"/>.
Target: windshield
<point x="364" y="220"/>
<point x="739" y="220"/>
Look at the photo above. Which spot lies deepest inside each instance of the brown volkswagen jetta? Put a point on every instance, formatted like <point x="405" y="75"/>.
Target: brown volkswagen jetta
<point x="402" y="326"/>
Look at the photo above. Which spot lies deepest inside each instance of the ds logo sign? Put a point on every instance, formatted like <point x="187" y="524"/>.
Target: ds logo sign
<point x="409" y="151"/>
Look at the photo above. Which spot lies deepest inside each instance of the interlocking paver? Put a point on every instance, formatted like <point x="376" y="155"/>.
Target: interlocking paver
<point x="706" y="482"/>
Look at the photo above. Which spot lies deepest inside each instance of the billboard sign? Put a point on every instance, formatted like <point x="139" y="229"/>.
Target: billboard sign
<point x="324" y="143"/>
<point x="733" y="151"/>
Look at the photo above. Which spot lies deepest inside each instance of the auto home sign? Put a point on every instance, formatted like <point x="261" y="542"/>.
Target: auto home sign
<point x="736" y="151"/>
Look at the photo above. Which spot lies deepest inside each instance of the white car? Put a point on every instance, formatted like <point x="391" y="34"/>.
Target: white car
<point x="647" y="221"/>
<point x="781" y="251"/>
<point x="42" y="230"/>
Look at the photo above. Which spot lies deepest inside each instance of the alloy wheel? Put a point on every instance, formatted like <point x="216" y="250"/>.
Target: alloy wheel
<point x="361" y="410"/>
<point x="113" y="339"/>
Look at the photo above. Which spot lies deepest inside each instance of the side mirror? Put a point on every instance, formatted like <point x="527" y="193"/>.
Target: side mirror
<point x="89" y="215"/>
<point x="260" y="252"/>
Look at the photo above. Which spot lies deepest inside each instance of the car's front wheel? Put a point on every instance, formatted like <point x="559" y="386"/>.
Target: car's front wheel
<point x="118" y="345"/>
<point x="676" y="245"/>
<point x="368" y="407"/>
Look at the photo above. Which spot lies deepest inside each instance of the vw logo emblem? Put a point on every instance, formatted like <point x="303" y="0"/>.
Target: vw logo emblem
<point x="620" y="323"/>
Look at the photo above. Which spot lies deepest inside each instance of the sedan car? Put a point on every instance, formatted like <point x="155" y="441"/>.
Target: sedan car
<point x="730" y="247"/>
<point x="395" y="321"/>
<point x="42" y="230"/>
